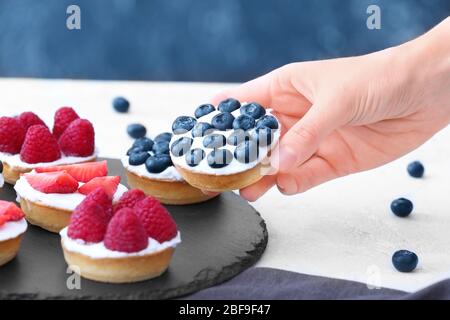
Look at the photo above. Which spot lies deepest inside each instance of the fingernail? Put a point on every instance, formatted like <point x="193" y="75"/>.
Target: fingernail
<point x="288" y="159"/>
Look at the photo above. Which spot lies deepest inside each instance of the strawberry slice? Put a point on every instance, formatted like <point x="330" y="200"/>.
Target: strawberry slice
<point x="9" y="212"/>
<point x="109" y="184"/>
<point x="52" y="182"/>
<point x="82" y="172"/>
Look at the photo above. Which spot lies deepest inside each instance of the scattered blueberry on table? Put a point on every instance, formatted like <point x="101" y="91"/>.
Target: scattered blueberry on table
<point x="138" y="158"/>
<point x="203" y="110"/>
<point x="181" y="146"/>
<point x="229" y="105"/>
<point x="121" y="105"/>
<point x="254" y="110"/>
<point x="158" y="163"/>
<point x="136" y="130"/>
<point x="223" y="121"/>
<point x="416" y="169"/>
<point x="183" y="124"/>
<point x="201" y="129"/>
<point x="219" y="158"/>
<point x="402" y="207"/>
<point x="194" y="157"/>
<point x="214" y="141"/>
<point x="405" y="261"/>
<point x="244" y="122"/>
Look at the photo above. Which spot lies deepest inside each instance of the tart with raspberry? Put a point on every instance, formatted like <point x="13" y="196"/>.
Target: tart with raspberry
<point x="132" y="242"/>
<point x="12" y="227"/>
<point x="224" y="148"/>
<point x="148" y="167"/>
<point x="48" y="195"/>
<point x="27" y="143"/>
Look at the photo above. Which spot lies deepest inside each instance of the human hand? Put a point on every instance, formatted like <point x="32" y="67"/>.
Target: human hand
<point x="347" y="115"/>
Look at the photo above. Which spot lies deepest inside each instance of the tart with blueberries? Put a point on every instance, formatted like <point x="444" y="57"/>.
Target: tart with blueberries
<point x="131" y="241"/>
<point x="27" y="143"/>
<point x="223" y="148"/>
<point x="149" y="167"/>
<point x="49" y="195"/>
<point x="12" y="227"/>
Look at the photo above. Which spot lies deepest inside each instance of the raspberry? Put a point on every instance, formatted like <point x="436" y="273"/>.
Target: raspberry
<point x="63" y="118"/>
<point x="100" y="197"/>
<point x="28" y="119"/>
<point x="156" y="219"/>
<point x="39" y="146"/>
<point x="126" y="233"/>
<point x="78" y="139"/>
<point x="12" y="135"/>
<point x="88" y="222"/>
<point x="129" y="199"/>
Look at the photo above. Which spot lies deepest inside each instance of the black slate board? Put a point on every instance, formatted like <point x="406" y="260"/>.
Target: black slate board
<point x="221" y="238"/>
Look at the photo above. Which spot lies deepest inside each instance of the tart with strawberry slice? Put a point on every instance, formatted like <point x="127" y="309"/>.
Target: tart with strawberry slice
<point x="12" y="227"/>
<point x="27" y="143"/>
<point x="134" y="243"/>
<point x="48" y="195"/>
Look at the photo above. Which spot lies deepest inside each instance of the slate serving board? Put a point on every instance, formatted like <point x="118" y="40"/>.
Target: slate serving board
<point x="221" y="238"/>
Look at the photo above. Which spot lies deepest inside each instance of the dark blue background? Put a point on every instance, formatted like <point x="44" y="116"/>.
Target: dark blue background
<point x="196" y="40"/>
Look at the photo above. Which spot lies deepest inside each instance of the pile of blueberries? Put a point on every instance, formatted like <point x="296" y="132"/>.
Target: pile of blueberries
<point x="154" y="153"/>
<point x="246" y="140"/>
<point x="404" y="260"/>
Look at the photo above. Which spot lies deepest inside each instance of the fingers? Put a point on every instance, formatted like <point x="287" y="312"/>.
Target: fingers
<point x="255" y="191"/>
<point x="302" y="140"/>
<point x="312" y="173"/>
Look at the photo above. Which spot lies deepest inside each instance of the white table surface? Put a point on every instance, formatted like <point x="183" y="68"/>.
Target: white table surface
<point x="343" y="229"/>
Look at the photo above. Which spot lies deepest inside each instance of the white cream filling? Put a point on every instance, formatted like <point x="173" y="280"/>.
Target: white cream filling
<point x="99" y="251"/>
<point x="235" y="166"/>
<point x="55" y="200"/>
<point x="14" y="161"/>
<point x="170" y="173"/>
<point x="12" y="229"/>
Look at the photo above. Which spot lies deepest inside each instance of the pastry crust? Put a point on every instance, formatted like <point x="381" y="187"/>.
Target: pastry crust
<point x="168" y="192"/>
<point x="12" y="174"/>
<point x="221" y="183"/>
<point x="9" y="249"/>
<point x="48" y="218"/>
<point x="119" y="270"/>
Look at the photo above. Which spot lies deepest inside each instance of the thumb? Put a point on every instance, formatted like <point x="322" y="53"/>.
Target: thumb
<point x="303" y="138"/>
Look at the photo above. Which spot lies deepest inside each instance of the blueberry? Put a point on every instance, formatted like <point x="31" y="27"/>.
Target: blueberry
<point x="194" y="157"/>
<point x="161" y="147"/>
<point x="229" y="105"/>
<point x="223" y="121"/>
<point x="244" y="122"/>
<point x="138" y="158"/>
<point x="165" y="136"/>
<point x="402" y="207"/>
<point x="238" y="136"/>
<point x="219" y="158"/>
<point x="246" y="152"/>
<point x="405" y="261"/>
<point x="201" y="129"/>
<point x="134" y="150"/>
<point x="214" y="141"/>
<point x="253" y="109"/>
<point x="145" y="143"/>
<point x="181" y="146"/>
<point x="183" y="124"/>
<point x="267" y="121"/>
<point x="416" y="169"/>
<point x="136" y="130"/>
<point x="121" y="104"/>
<point x="264" y="136"/>
<point x="203" y="110"/>
<point x="158" y="163"/>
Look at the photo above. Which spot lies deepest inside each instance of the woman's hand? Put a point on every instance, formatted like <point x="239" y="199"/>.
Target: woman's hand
<point x="348" y="115"/>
